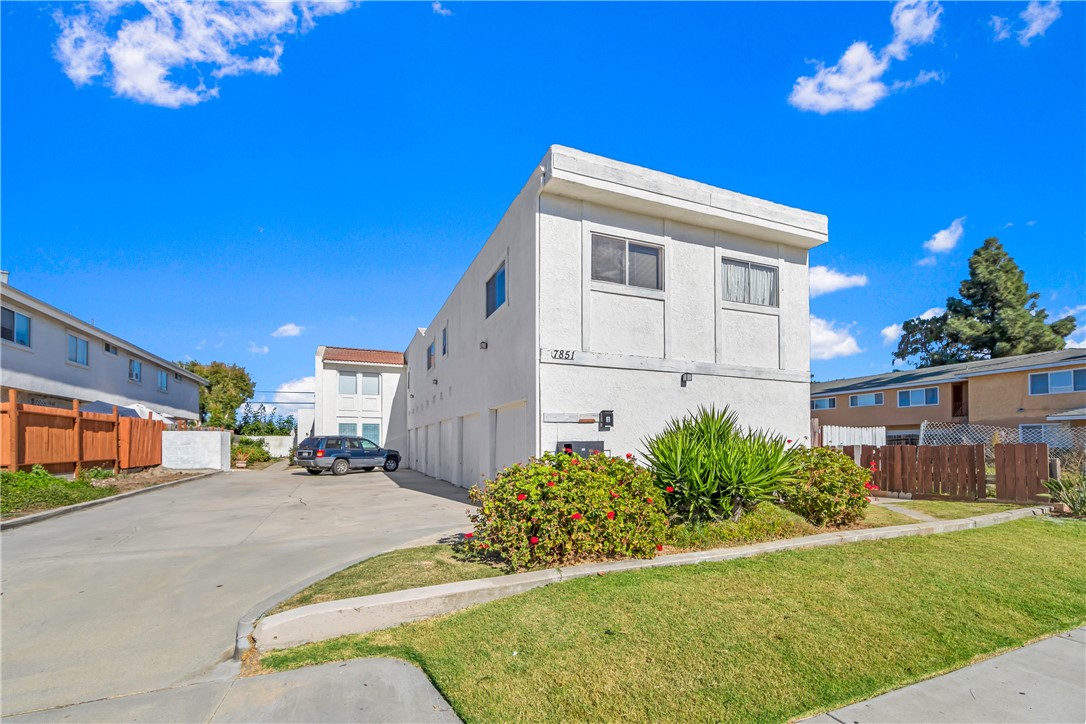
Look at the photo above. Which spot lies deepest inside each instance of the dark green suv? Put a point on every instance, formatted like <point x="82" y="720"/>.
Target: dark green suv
<point x="342" y="453"/>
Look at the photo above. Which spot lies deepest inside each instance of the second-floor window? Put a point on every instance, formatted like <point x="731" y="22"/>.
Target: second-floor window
<point x="495" y="292"/>
<point x="748" y="283"/>
<point x="445" y="341"/>
<point x="15" y="327"/>
<point x="77" y="350"/>
<point x="918" y="398"/>
<point x="870" y="399"/>
<point x="110" y="349"/>
<point x="430" y="356"/>
<point x="371" y="384"/>
<point x="620" y="261"/>
<point x="1055" y="383"/>
<point x="824" y="403"/>
<point x="135" y="370"/>
<point x="348" y="383"/>
<point x="163" y="380"/>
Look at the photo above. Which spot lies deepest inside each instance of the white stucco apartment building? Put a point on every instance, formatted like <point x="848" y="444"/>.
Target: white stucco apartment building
<point x="51" y="358"/>
<point x="610" y="287"/>
<point x="361" y="392"/>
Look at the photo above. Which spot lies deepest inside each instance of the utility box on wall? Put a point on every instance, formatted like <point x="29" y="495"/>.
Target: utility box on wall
<point x="580" y="447"/>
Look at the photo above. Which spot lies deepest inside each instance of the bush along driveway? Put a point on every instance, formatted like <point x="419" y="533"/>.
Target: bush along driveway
<point x="762" y="639"/>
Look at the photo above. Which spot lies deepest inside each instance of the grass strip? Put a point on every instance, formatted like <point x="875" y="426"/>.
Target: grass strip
<point x="762" y="639"/>
<point x="952" y="509"/>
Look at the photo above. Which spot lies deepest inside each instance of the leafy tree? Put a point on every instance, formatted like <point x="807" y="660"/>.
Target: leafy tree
<point x="231" y="386"/>
<point x="261" y="421"/>
<point x="995" y="316"/>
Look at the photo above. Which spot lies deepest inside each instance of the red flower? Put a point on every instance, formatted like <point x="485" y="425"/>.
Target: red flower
<point x="669" y="489"/>
<point x="867" y="498"/>
<point x="576" y="516"/>
<point x="469" y="535"/>
<point x="550" y="483"/>
<point x="521" y="496"/>
<point x="484" y="545"/>
<point x="629" y="456"/>
<point x="650" y="500"/>
<point x="659" y="547"/>
<point x="789" y="442"/>
<point x="533" y="540"/>
<point x="610" y="515"/>
<point x="575" y="461"/>
<point x="614" y="494"/>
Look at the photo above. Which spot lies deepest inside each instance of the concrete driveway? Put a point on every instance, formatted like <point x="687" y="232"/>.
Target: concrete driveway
<point x="145" y="594"/>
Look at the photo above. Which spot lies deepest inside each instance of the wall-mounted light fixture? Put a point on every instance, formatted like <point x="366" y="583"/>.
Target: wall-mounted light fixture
<point x="687" y="377"/>
<point x="411" y="396"/>
<point x="435" y="380"/>
<point x="482" y="345"/>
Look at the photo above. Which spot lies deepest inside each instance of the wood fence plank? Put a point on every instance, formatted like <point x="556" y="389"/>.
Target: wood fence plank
<point x="13" y="440"/>
<point x="980" y="474"/>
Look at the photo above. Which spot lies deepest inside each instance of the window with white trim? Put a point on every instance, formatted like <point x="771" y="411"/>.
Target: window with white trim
<point x="111" y="349"/>
<point x="348" y="384"/>
<point x="77" y="350"/>
<point x="163" y="380"/>
<point x="621" y="261"/>
<point x="824" y="403"/>
<point x="918" y="398"/>
<point x="135" y="370"/>
<point x="15" y="327"/>
<point x="372" y="431"/>
<point x="1057" y="383"/>
<point x="1057" y="435"/>
<point x="870" y="399"/>
<point x="348" y="428"/>
<point x="371" y="383"/>
<point x="748" y="283"/>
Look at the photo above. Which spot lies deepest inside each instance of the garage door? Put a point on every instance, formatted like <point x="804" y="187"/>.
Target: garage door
<point x="471" y="452"/>
<point x="448" y="451"/>
<point x="510" y="440"/>
<point x="433" y="450"/>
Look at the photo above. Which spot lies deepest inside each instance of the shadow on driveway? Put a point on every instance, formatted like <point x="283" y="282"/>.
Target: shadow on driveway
<point x="407" y="479"/>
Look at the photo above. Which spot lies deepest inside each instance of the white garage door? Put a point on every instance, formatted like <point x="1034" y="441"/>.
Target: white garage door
<point x="471" y="451"/>
<point x="509" y="436"/>
<point x="448" y="451"/>
<point x="433" y="450"/>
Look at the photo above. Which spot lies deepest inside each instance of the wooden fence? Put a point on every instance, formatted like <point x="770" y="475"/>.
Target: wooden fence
<point x="66" y="440"/>
<point x="957" y="471"/>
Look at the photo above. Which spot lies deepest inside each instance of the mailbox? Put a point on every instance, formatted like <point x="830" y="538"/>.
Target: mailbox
<point x="607" y="420"/>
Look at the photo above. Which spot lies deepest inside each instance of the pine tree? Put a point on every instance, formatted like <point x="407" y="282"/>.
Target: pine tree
<point x="995" y="316"/>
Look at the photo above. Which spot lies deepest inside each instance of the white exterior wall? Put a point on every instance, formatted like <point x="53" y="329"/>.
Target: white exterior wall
<point x="458" y="427"/>
<point x="196" y="449"/>
<point x="385" y="409"/>
<point x="42" y="374"/>
<point x="479" y="410"/>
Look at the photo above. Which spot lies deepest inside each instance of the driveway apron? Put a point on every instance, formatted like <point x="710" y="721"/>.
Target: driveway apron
<point x="146" y="593"/>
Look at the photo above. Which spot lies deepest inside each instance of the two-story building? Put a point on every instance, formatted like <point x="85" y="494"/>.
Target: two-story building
<point x="360" y="392"/>
<point x="51" y="358"/>
<point x="1042" y="395"/>
<point x="609" y="299"/>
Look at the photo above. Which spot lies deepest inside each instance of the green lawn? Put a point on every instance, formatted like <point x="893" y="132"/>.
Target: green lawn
<point x="432" y="565"/>
<point x="32" y="491"/>
<point x="760" y="639"/>
<point x="952" y="510"/>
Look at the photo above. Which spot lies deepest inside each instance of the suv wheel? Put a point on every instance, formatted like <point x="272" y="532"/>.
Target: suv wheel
<point x="340" y="467"/>
<point x="391" y="464"/>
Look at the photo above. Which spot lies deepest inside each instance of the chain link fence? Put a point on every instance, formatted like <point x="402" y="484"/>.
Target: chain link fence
<point x="1065" y="443"/>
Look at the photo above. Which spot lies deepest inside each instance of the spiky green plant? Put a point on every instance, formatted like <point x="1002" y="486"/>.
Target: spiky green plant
<point x="716" y="469"/>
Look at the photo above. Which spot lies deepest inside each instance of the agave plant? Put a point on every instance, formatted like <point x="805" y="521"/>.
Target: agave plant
<point x="714" y="468"/>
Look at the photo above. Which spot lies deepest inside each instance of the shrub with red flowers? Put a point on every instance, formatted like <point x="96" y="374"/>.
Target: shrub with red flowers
<point x="832" y="490"/>
<point x="561" y="509"/>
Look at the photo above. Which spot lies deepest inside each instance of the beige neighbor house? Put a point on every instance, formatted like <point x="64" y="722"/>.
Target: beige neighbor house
<point x="1042" y="395"/>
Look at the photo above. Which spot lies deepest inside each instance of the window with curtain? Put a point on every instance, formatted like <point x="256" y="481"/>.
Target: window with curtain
<point x="620" y="261"/>
<point x="748" y="283"/>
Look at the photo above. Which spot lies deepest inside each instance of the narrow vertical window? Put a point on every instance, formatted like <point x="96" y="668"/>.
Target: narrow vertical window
<point x="445" y="341"/>
<point x="77" y="350"/>
<point x="163" y="380"/>
<point x="495" y="291"/>
<point x="135" y="370"/>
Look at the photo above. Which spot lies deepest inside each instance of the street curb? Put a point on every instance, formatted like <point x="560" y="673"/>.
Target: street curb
<point x="56" y="512"/>
<point x="331" y="619"/>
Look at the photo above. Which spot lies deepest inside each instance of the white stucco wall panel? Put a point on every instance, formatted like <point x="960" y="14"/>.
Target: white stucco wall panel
<point x="691" y="292"/>
<point x="749" y="339"/>
<point x="510" y="438"/>
<point x="560" y="260"/>
<point x="196" y="449"/>
<point x="472" y="466"/>
<point x="624" y="324"/>
<point x="643" y="402"/>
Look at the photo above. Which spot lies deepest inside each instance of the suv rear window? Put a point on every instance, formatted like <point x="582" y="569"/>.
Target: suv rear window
<point x="310" y="442"/>
<point x="332" y="443"/>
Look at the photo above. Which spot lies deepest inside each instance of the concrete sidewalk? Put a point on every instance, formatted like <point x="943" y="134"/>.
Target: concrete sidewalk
<point x="1042" y="682"/>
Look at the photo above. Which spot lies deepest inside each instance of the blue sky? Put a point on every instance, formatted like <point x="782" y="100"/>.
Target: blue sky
<point x="195" y="186"/>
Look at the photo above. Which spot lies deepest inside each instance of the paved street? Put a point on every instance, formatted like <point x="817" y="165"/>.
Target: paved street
<point x="145" y="594"/>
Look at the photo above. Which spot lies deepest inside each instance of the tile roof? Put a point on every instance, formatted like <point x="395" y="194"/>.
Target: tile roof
<point x="947" y="373"/>
<point x="371" y="356"/>
<point x="1079" y="413"/>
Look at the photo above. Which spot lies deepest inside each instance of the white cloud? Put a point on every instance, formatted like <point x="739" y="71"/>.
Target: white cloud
<point x="825" y="280"/>
<point x="1001" y="28"/>
<point x="855" y="82"/>
<point x="1080" y="342"/>
<point x="439" y="10"/>
<point x="294" y="395"/>
<point x="290" y="329"/>
<point x="924" y="76"/>
<point x="257" y="348"/>
<point x="945" y="240"/>
<point x="164" y="55"/>
<point x="1072" y="311"/>
<point x="201" y="344"/>
<point x="891" y="334"/>
<point x="927" y="261"/>
<point x="933" y="312"/>
<point x="1039" y="17"/>
<point x="829" y="341"/>
<point x="1031" y="222"/>
<point x="1008" y="225"/>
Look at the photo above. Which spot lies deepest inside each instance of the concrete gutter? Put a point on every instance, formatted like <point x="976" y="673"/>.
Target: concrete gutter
<point x="384" y="610"/>
<point x="47" y="514"/>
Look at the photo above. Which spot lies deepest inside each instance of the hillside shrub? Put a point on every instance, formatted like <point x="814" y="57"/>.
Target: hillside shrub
<point x="831" y="489"/>
<point x="561" y="509"/>
<point x="254" y="450"/>
<point x="712" y="468"/>
<point x="22" y="491"/>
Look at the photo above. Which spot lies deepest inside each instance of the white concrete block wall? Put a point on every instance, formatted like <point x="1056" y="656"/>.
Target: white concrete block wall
<point x="278" y="446"/>
<point x="196" y="449"/>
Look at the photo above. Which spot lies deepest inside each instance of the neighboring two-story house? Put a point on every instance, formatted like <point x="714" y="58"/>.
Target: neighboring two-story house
<point x="609" y="299"/>
<point x="1042" y="395"/>
<point x="51" y="358"/>
<point x="360" y="392"/>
